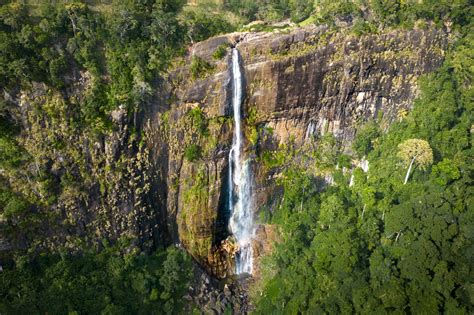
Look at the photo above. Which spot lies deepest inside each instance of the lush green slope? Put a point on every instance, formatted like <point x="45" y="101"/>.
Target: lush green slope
<point x="97" y="283"/>
<point x="377" y="246"/>
<point x="382" y="246"/>
<point x="123" y="51"/>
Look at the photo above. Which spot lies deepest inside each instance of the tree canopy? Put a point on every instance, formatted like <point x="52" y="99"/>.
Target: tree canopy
<point x="378" y="246"/>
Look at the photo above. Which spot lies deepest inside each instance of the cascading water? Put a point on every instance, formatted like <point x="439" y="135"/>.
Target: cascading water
<point x="240" y="181"/>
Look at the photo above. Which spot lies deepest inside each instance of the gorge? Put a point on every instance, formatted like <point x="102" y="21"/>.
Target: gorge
<point x="235" y="157"/>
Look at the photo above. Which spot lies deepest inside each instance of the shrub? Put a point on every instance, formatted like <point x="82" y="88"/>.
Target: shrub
<point x="199" y="120"/>
<point x="330" y="10"/>
<point x="300" y="10"/>
<point x="15" y="206"/>
<point x="192" y="152"/>
<point x="11" y="153"/>
<point x="200" y="68"/>
<point x="362" y="144"/>
<point x="220" y="52"/>
<point x="202" y="25"/>
<point x="363" y="27"/>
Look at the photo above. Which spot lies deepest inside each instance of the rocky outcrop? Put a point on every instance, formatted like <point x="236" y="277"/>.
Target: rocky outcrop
<point x="300" y="84"/>
<point x="218" y="297"/>
<point x="323" y="82"/>
<point x="89" y="188"/>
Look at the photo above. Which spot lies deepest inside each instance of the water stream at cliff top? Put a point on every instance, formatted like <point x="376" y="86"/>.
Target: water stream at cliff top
<point x="240" y="181"/>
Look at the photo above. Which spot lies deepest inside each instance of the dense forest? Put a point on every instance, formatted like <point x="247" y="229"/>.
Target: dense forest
<point x="399" y="239"/>
<point x="394" y="238"/>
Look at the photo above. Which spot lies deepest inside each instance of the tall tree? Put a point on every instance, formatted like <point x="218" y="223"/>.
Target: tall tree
<point x="415" y="151"/>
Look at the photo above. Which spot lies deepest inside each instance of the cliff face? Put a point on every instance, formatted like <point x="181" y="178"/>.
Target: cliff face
<point x="89" y="188"/>
<point x="161" y="176"/>
<point x="299" y="85"/>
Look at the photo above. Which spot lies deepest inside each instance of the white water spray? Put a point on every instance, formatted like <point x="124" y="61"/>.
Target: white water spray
<point x="241" y="222"/>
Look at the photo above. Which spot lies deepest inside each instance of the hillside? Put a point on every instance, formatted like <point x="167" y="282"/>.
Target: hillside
<point x="269" y="157"/>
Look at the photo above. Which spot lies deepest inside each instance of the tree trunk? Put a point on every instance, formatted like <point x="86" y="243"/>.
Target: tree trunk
<point x="73" y="25"/>
<point x="409" y="170"/>
<point x="398" y="235"/>
<point x="301" y="205"/>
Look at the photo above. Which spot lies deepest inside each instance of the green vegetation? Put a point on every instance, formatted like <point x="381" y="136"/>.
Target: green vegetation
<point x="252" y="128"/>
<point x="196" y="214"/>
<point x="202" y="24"/>
<point x="220" y="52"/>
<point x="399" y="240"/>
<point x="270" y="10"/>
<point x="415" y="152"/>
<point x="200" y="68"/>
<point x="363" y="143"/>
<point x="198" y="120"/>
<point x="380" y="246"/>
<point x="79" y="65"/>
<point x="97" y="283"/>
<point x="192" y="152"/>
<point x="369" y="15"/>
<point x="362" y="27"/>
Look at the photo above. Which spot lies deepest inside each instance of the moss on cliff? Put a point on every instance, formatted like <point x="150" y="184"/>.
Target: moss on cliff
<point x="195" y="216"/>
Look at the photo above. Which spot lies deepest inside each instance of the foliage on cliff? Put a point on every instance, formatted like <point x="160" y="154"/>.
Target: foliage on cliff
<point x="376" y="245"/>
<point x="72" y="68"/>
<point x="74" y="78"/>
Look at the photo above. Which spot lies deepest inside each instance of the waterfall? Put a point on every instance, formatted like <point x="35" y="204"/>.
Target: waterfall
<point x="240" y="181"/>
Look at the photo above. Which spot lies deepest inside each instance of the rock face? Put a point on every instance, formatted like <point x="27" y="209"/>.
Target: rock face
<point x="311" y="81"/>
<point x="304" y="83"/>
<point x="100" y="188"/>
